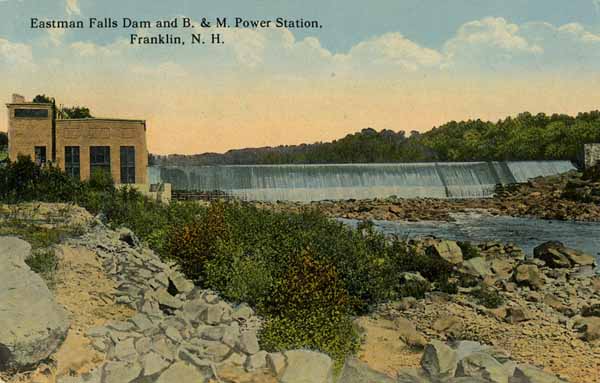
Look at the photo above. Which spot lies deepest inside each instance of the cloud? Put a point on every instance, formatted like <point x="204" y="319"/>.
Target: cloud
<point x="72" y="7"/>
<point x="90" y="49"/>
<point x="166" y="69"/>
<point x="490" y="42"/>
<point x="15" y="53"/>
<point x="394" y="50"/>
<point x="55" y="35"/>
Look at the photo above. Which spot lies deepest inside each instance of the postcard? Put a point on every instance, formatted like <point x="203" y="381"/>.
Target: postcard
<point x="299" y="192"/>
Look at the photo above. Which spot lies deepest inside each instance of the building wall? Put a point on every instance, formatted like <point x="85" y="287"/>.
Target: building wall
<point x="24" y="133"/>
<point x="103" y="132"/>
<point x="591" y="154"/>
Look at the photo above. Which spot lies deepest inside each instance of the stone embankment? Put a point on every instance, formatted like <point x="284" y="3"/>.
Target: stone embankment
<point x="571" y="196"/>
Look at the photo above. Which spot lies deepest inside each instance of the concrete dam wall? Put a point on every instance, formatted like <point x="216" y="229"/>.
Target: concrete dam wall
<point x="358" y="181"/>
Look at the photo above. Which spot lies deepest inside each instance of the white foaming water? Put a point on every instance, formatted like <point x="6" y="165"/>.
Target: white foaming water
<point x="355" y="181"/>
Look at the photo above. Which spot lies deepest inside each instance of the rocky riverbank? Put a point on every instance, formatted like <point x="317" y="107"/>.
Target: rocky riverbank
<point x="573" y="196"/>
<point x="117" y="313"/>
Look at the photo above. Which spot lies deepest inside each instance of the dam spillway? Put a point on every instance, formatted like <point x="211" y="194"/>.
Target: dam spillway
<point x="355" y="181"/>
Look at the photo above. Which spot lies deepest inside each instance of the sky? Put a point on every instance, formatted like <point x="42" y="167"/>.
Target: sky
<point x="385" y="64"/>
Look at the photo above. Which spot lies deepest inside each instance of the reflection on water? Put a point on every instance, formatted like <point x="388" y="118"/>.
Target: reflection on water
<point x="526" y="233"/>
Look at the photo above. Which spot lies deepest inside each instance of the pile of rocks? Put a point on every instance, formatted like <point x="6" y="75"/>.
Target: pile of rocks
<point x="467" y="361"/>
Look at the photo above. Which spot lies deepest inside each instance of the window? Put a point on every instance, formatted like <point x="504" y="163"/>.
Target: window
<point x="99" y="159"/>
<point x="40" y="155"/>
<point x="31" y="113"/>
<point x="72" y="162"/>
<point x="127" y="165"/>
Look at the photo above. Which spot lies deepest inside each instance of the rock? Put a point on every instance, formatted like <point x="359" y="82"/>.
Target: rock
<point x="172" y="333"/>
<point x="242" y="312"/>
<point x="590" y="326"/>
<point x="120" y="372"/>
<point x="212" y="314"/>
<point x="528" y="374"/>
<point x="182" y="372"/>
<point x="33" y="324"/>
<point x="182" y="284"/>
<point x="448" y="251"/>
<point x="275" y="362"/>
<point x="477" y="266"/>
<point x="409" y="334"/>
<point x="127" y="236"/>
<point x="579" y="258"/>
<point x="501" y="268"/>
<point x="465" y="348"/>
<point x="517" y="314"/>
<point x="307" y="367"/>
<point x="124" y="350"/>
<point x="153" y="363"/>
<point x="249" y="342"/>
<point x="484" y="366"/>
<point x="166" y="299"/>
<point x="143" y="345"/>
<point x="557" y="255"/>
<point x="256" y="361"/>
<point x="529" y="275"/>
<point x="355" y="371"/>
<point x="141" y="321"/>
<point x="549" y="253"/>
<point x="448" y="325"/>
<point x="413" y="375"/>
<point x="439" y="360"/>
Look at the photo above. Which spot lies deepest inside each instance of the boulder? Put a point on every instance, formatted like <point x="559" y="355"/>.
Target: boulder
<point x="33" y="324"/>
<point x="449" y="325"/>
<point x="528" y="374"/>
<point x="439" y="360"/>
<point x="557" y="255"/>
<point x="305" y="366"/>
<point x="550" y="253"/>
<point x="477" y="267"/>
<point x="127" y="236"/>
<point x="529" y="275"/>
<point x="355" y="371"/>
<point x="120" y="372"/>
<point x="409" y="334"/>
<point x="482" y="365"/>
<point x="448" y="251"/>
<point x="590" y="326"/>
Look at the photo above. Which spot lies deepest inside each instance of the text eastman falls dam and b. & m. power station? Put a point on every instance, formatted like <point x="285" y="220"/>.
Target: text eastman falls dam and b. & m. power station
<point x="182" y="22"/>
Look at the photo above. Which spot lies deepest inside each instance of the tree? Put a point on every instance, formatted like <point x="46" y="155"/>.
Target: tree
<point x="65" y="112"/>
<point x="43" y="99"/>
<point x="75" y="112"/>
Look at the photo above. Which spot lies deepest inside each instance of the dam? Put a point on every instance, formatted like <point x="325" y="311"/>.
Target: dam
<point x="313" y="182"/>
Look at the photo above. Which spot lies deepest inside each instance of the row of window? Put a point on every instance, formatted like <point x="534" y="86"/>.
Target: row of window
<point x="99" y="161"/>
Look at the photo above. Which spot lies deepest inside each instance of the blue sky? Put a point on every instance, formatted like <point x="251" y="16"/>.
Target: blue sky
<point x="428" y="22"/>
<point x="403" y="64"/>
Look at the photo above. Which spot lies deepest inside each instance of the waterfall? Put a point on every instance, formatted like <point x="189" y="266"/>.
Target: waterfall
<point x="358" y="181"/>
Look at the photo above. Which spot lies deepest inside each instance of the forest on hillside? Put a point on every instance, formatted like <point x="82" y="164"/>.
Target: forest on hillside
<point x="524" y="137"/>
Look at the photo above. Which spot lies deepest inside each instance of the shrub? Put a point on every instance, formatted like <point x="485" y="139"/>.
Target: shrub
<point x="468" y="250"/>
<point x="414" y="288"/>
<point x="43" y="262"/>
<point x="309" y="309"/>
<point x="193" y="245"/>
<point x="488" y="297"/>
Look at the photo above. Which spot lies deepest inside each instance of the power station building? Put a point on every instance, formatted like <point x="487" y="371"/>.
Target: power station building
<point x="80" y="147"/>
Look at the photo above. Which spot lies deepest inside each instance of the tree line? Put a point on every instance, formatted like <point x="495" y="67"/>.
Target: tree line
<point x="520" y="138"/>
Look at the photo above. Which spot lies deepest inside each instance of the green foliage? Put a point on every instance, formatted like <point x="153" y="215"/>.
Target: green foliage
<point x="43" y="262"/>
<point x="488" y="297"/>
<point x="468" y="250"/>
<point x="43" y="99"/>
<point x="309" y="309"/>
<point x="414" y="288"/>
<point x="75" y="112"/>
<point x="524" y="137"/>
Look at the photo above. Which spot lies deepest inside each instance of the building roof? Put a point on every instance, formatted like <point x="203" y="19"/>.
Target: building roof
<point x="100" y="119"/>
<point x="28" y="104"/>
